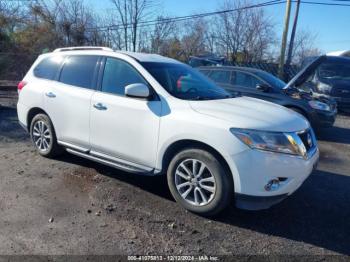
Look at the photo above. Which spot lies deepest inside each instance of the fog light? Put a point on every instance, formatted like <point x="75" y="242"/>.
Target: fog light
<point x="272" y="185"/>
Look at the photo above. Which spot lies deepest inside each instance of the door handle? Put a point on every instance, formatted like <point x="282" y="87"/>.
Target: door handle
<point x="100" y="106"/>
<point x="50" y="94"/>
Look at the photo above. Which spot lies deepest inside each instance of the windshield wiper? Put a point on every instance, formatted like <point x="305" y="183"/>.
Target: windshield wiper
<point x="212" y="98"/>
<point x="201" y="98"/>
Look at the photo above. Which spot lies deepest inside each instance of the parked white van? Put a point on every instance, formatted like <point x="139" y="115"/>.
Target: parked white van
<point x="149" y="114"/>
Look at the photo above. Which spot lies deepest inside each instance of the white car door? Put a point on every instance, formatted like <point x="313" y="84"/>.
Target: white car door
<point x="122" y="127"/>
<point x="67" y="101"/>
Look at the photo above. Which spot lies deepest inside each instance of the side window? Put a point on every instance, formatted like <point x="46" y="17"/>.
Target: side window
<point x="79" y="71"/>
<point x="245" y="80"/>
<point x="117" y="75"/>
<point x="221" y="76"/>
<point x="48" y="67"/>
<point x="205" y="72"/>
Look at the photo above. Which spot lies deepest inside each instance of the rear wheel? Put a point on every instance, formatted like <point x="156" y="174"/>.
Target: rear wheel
<point x="199" y="182"/>
<point x="43" y="136"/>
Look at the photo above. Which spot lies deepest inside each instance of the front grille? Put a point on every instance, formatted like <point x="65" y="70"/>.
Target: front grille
<point x="307" y="138"/>
<point x="341" y="91"/>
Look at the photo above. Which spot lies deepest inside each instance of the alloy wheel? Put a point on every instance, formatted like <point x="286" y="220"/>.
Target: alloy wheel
<point x="41" y="136"/>
<point x="195" y="182"/>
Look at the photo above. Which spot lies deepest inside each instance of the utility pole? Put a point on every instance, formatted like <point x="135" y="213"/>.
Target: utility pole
<point x="109" y="36"/>
<point x="284" y="39"/>
<point x="291" y="43"/>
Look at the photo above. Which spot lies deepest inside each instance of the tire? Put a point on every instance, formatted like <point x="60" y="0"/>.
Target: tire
<point x="214" y="176"/>
<point x="41" y="128"/>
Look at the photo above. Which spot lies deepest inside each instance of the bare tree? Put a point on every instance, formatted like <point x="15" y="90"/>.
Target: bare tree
<point x="113" y="35"/>
<point x="122" y="10"/>
<point x="164" y="29"/>
<point x="304" y="46"/>
<point x="247" y="33"/>
<point x="131" y="14"/>
<point x="259" y="36"/>
<point x="193" y="39"/>
<point x="74" y="21"/>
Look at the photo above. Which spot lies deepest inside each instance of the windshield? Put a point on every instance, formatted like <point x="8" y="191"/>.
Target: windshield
<point x="184" y="82"/>
<point x="272" y="80"/>
<point x="334" y="71"/>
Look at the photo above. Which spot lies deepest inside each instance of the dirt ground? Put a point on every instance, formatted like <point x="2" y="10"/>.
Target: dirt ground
<point x="75" y="206"/>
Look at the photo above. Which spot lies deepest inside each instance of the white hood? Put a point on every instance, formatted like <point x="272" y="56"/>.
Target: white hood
<point x="251" y="113"/>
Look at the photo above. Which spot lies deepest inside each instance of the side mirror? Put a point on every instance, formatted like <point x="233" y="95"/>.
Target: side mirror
<point x="263" y="87"/>
<point x="137" y="90"/>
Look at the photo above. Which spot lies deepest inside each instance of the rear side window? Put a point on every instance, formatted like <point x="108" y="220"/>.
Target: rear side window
<point x="221" y="76"/>
<point x="79" y="71"/>
<point x="204" y="71"/>
<point x="117" y="75"/>
<point x="246" y="80"/>
<point x="48" y="67"/>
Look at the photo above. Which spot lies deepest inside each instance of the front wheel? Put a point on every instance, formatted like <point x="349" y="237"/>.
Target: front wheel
<point x="199" y="182"/>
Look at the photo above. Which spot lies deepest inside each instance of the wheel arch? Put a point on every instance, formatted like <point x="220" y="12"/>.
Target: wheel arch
<point x="32" y="113"/>
<point x="180" y="145"/>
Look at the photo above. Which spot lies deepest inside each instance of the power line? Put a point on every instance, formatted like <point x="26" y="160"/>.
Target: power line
<point x="183" y="18"/>
<point x="326" y="4"/>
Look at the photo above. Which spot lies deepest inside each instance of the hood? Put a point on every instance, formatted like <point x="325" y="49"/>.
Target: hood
<point x="305" y="73"/>
<point x="251" y="113"/>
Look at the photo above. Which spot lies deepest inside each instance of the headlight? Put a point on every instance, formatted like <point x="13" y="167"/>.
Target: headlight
<point x="269" y="141"/>
<point x="319" y="105"/>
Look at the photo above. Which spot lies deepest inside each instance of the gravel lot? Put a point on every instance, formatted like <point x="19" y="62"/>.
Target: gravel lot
<point x="75" y="206"/>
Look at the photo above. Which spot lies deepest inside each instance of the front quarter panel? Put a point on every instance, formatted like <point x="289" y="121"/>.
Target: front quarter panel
<point x="185" y="124"/>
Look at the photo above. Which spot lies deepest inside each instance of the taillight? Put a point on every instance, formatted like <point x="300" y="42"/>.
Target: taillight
<point x="21" y="85"/>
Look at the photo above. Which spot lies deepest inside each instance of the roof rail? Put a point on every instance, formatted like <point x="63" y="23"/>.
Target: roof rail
<point x="81" y="48"/>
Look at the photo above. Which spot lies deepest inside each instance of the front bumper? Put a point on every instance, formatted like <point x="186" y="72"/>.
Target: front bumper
<point x="257" y="202"/>
<point x="343" y="103"/>
<point x="253" y="169"/>
<point x="323" y="118"/>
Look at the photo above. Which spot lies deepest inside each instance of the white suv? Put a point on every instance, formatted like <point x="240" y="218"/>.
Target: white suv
<point x="149" y="114"/>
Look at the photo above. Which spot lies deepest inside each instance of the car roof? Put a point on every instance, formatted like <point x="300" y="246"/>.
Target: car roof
<point x="91" y="50"/>
<point x="247" y="69"/>
<point x="329" y="57"/>
<point x="145" y="57"/>
<point x="338" y="58"/>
